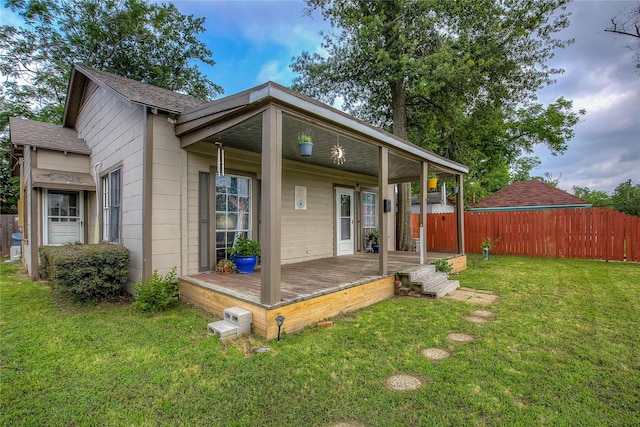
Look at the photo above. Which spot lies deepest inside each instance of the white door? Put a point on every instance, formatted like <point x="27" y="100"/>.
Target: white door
<point x="344" y="221"/>
<point x="63" y="217"/>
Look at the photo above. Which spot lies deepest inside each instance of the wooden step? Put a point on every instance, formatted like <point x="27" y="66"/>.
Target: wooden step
<point x="441" y="289"/>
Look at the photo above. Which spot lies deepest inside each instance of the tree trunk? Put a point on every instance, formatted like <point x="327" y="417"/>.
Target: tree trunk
<point x="404" y="237"/>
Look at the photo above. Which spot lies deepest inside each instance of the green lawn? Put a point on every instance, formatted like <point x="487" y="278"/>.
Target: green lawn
<point x="563" y="349"/>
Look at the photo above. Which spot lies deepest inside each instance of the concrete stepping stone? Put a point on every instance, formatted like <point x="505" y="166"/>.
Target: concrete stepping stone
<point x="483" y="313"/>
<point x="403" y="382"/>
<point x="476" y="319"/>
<point x="460" y="338"/>
<point x="435" y="353"/>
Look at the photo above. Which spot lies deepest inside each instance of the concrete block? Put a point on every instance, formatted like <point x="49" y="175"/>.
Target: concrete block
<point x="222" y="329"/>
<point x="238" y="316"/>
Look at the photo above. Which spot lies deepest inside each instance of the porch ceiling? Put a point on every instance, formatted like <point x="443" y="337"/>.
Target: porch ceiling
<point x="361" y="157"/>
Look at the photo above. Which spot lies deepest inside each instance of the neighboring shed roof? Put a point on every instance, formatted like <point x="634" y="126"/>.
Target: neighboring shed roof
<point x="531" y="194"/>
<point x="131" y="90"/>
<point x="46" y="135"/>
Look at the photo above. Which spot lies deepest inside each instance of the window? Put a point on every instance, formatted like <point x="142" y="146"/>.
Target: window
<point x="368" y="215"/>
<point x="111" y="195"/>
<point x="233" y="211"/>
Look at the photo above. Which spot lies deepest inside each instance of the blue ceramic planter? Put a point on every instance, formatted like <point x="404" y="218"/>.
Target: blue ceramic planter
<point x="245" y="264"/>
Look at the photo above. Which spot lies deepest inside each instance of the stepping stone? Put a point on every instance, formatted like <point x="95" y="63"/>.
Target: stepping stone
<point x="483" y="313"/>
<point x="460" y="338"/>
<point x="476" y="319"/>
<point x="435" y="353"/>
<point x="403" y="382"/>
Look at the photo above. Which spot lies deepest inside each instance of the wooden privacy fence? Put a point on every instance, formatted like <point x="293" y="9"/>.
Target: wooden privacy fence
<point x="8" y="226"/>
<point x="594" y="233"/>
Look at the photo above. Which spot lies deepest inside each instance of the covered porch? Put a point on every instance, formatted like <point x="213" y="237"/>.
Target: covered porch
<point x="310" y="290"/>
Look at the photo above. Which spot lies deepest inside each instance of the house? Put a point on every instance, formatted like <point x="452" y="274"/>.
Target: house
<point x="529" y="195"/>
<point x="176" y="179"/>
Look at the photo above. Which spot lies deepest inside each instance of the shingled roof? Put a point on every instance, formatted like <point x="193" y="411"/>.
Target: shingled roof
<point x="531" y="194"/>
<point x="131" y="90"/>
<point x="46" y="135"/>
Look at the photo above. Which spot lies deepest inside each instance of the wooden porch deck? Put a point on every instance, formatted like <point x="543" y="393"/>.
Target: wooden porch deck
<point x="309" y="279"/>
<point x="310" y="291"/>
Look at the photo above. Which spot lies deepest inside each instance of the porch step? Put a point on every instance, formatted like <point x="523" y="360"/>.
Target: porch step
<point x="237" y="321"/>
<point x="431" y="283"/>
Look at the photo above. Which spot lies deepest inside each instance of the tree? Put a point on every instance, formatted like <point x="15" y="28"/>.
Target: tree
<point x="626" y="198"/>
<point x="152" y="43"/>
<point x="597" y="197"/>
<point x="457" y="77"/>
<point x="628" y="25"/>
<point x="522" y="166"/>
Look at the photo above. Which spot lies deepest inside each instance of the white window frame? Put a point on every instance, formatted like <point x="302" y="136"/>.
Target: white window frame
<point x="111" y="206"/>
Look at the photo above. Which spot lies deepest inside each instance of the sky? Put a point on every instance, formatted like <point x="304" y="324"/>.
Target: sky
<point x="254" y="42"/>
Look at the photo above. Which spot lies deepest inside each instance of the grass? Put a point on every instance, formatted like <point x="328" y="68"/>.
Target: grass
<point x="562" y="349"/>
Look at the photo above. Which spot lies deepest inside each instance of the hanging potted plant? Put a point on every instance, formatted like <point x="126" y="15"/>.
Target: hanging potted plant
<point x="245" y="254"/>
<point x="432" y="181"/>
<point x="305" y="143"/>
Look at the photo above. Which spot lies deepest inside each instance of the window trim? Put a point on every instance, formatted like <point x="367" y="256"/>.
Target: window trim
<point x="108" y="208"/>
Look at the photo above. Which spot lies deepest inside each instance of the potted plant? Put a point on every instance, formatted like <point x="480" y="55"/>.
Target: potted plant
<point x="226" y="266"/>
<point x="245" y="254"/>
<point x="304" y="143"/>
<point x="487" y="244"/>
<point x="432" y="181"/>
<point x="374" y="238"/>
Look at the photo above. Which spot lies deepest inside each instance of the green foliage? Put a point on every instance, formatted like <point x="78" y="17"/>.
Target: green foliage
<point x="149" y="42"/>
<point x="597" y="198"/>
<point x="245" y="247"/>
<point x="626" y="198"/>
<point x="488" y="242"/>
<point x="374" y="236"/>
<point x="442" y="265"/>
<point x="157" y="293"/>
<point x="86" y="273"/>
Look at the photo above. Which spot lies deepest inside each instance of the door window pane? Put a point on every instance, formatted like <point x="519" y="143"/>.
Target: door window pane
<point x="233" y="211"/>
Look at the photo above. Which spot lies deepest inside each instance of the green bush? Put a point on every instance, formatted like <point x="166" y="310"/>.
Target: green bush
<point x="86" y="273"/>
<point x="442" y="265"/>
<point x="156" y="293"/>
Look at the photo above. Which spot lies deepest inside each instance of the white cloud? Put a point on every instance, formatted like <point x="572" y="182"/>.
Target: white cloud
<point x="273" y="71"/>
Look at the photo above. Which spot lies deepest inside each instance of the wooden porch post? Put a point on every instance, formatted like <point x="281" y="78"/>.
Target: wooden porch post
<point x="383" y="184"/>
<point x="460" y="214"/>
<point x="270" y="209"/>
<point x="424" y="175"/>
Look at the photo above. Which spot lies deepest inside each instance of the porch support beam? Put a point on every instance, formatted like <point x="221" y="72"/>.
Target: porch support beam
<point x="424" y="175"/>
<point x="383" y="184"/>
<point x="270" y="208"/>
<point x="460" y="213"/>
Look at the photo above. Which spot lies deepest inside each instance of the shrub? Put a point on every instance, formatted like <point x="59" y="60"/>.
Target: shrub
<point x="156" y="293"/>
<point x="442" y="265"/>
<point x="86" y="273"/>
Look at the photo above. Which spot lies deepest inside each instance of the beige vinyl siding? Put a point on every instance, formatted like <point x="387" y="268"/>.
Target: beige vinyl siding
<point x="69" y="162"/>
<point x="306" y="235"/>
<point x="166" y="243"/>
<point x="113" y="130"/>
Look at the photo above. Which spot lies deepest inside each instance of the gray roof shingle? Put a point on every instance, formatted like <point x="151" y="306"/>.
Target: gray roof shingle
<point x="142" y="93"/>
<point x="46" y="135"/>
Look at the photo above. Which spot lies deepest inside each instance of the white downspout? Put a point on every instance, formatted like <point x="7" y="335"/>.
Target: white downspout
<point x="96" y="171"/>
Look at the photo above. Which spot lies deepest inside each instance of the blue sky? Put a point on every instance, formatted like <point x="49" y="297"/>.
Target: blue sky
<point x="254" y="41"/>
